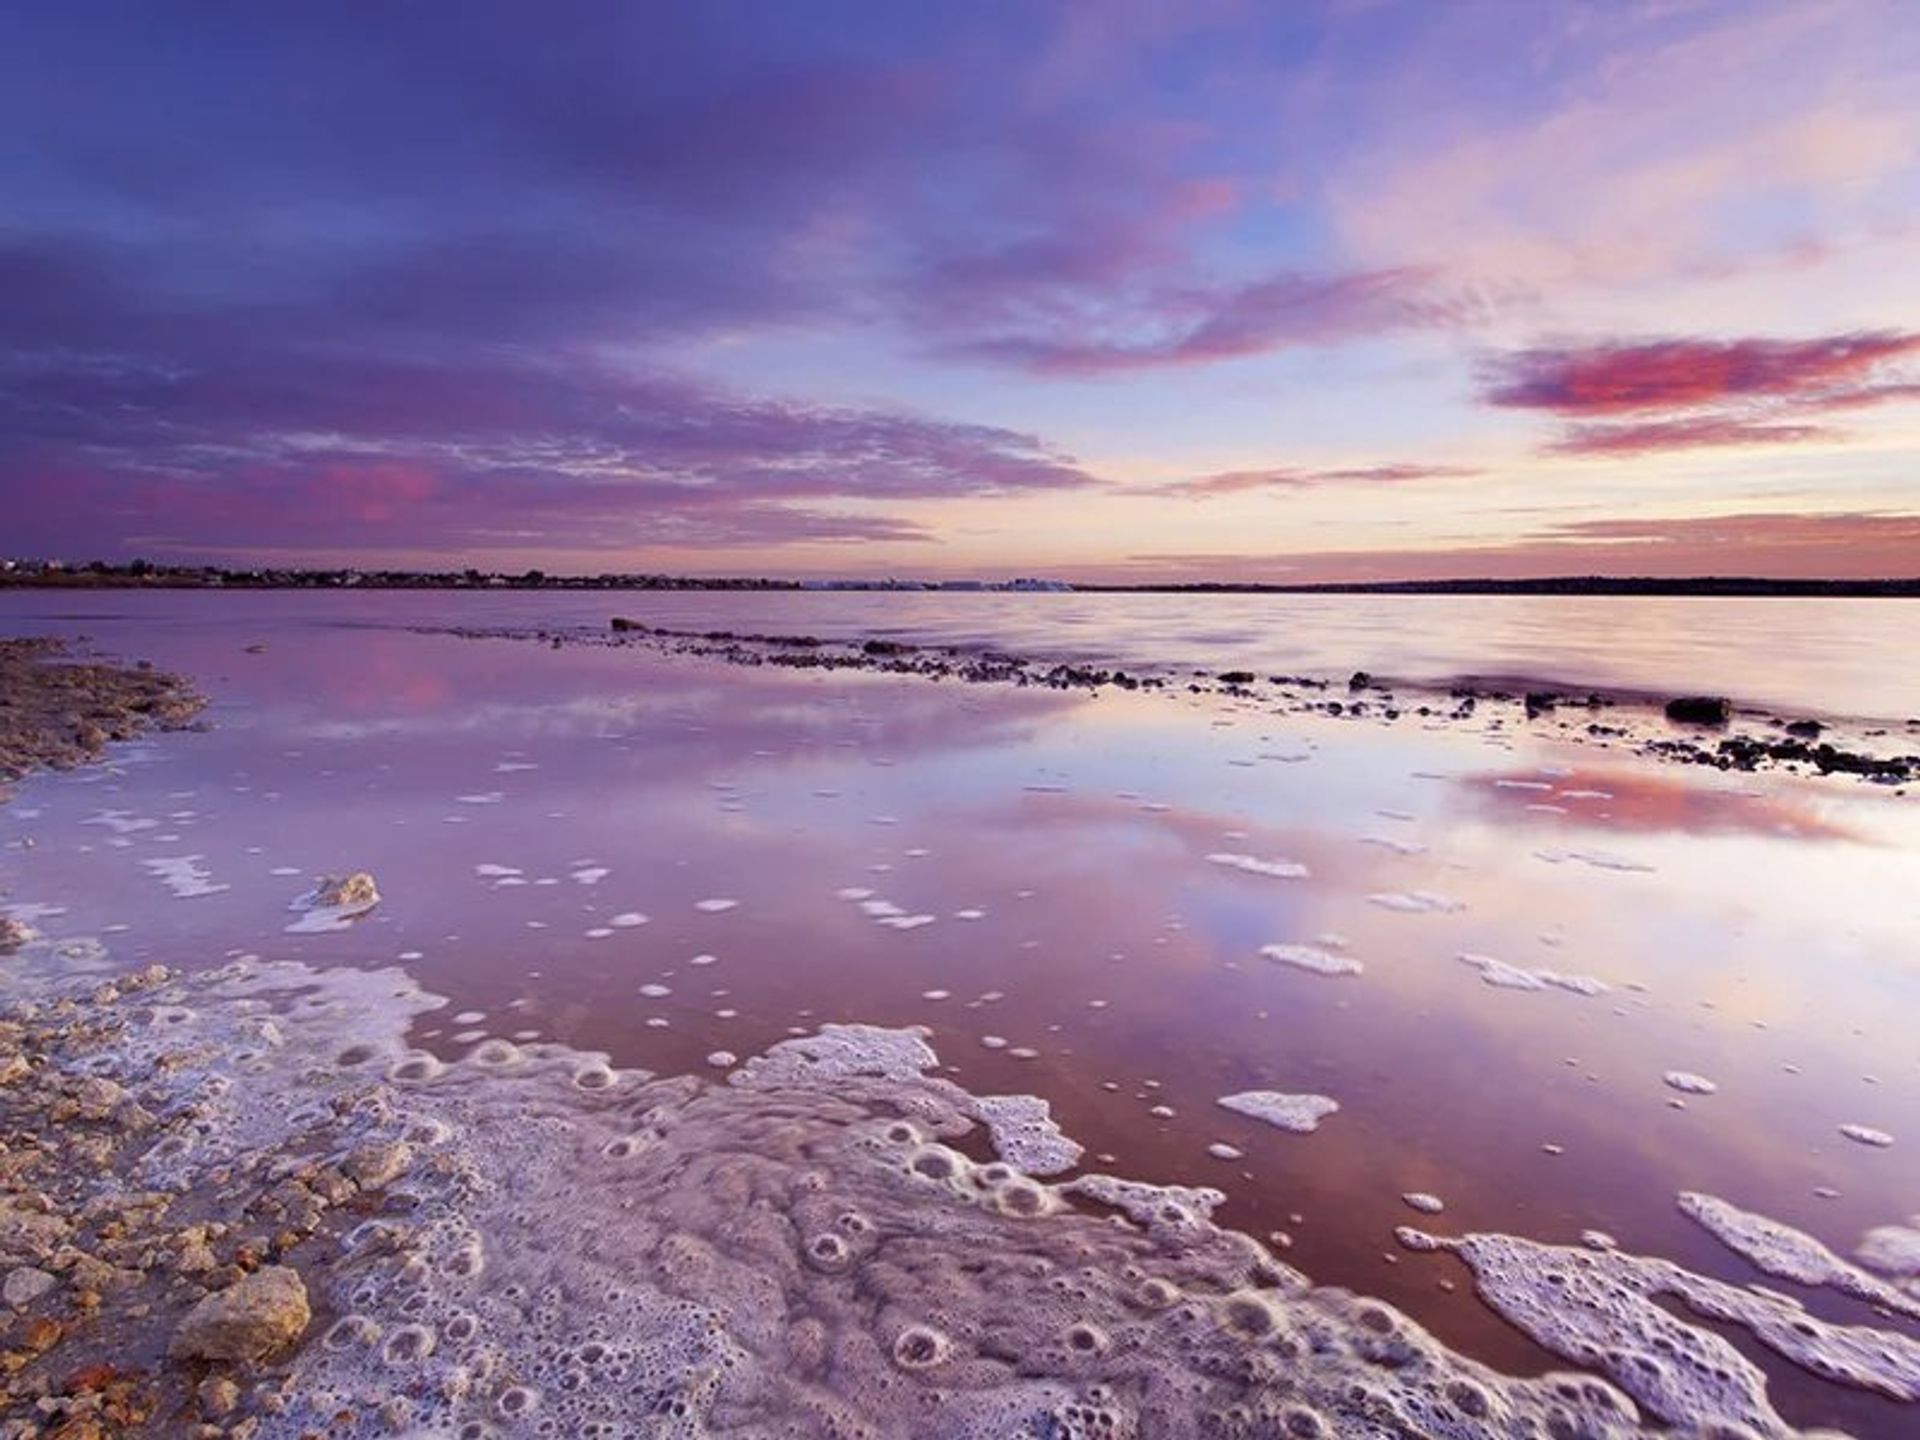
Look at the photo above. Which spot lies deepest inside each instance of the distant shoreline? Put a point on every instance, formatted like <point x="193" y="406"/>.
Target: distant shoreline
<point x="153" y="578"/>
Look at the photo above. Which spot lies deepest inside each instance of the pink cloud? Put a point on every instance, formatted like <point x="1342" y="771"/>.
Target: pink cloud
<point x="1617" y="378"/>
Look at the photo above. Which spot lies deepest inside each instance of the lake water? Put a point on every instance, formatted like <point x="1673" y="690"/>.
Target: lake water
<point x="553" y="830"/>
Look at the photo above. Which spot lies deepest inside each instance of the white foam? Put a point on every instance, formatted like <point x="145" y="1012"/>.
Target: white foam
<point x="1791" y="1254"/>
<point x="715" y="906"/>
<point x="1253" y="865"/>
<point x="1416" y="902"/>
<point x="1300" y="1114"/>
<point x="186" y="876"/>
<point x="1598" y="859"/>
<point x="1500" y="974"/>
<point x="627" y="919"/>
<point x="1688" y="1083"/>
<point x="1601" y="1308"/>
<point x="1312" y="958"/>
<point x="1866" y="1135"/>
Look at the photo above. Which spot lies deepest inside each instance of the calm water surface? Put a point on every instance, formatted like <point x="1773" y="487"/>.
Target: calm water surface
<point x="1757" y="930"/>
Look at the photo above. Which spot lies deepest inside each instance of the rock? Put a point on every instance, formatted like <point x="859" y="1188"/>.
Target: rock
<point x="1359" y="680"/>
<point x="1540" y="702"/>
<point x="25" y="1285"/>
<point x="620" y="622"/>
<point x="218" y="1396"/>
<point x="1236" y="677"/>
<point x="27" y="1234"/>
<point x="97" y="1097"/>
<point x="376" y="1166"/>
<point x="255" y="1316"/>
<point x="1699" y="709"/>
<point x="1805" y="729"/>
<point x="355" y="891"/>
<point x="14" y="933"/>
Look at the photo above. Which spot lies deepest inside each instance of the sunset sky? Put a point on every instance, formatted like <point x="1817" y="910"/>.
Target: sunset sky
<point x="1115" y="289"/>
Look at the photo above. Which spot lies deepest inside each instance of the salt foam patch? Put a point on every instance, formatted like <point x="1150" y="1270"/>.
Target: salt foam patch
<point x="1500" y="974"/>
<point x="1601" y="1308"/>
<point x="1299" y="1113"/>
<point x="1254" y="865"/>
<point x="577" y="1249"/>
<point x="186" y="876"/>
<point x="1312" y="958"/>
<point x="1791" y="1254"/>
<point x="1416" y="902"/>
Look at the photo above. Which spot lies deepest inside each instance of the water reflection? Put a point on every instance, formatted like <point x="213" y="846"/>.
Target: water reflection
<point x="1758" y="934"/>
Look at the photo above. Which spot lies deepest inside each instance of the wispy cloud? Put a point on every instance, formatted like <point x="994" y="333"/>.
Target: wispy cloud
<point x="1240" y="482"/>
<point x="1637" y="397"/>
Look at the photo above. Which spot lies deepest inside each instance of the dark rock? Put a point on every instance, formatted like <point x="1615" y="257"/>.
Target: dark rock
<point x="1805" y="729"/>
<point x="1359" y="680"/>
<point x="1699" y="709"/>
<point x="1540" y="702"/>
<point x="1236" y="677"/>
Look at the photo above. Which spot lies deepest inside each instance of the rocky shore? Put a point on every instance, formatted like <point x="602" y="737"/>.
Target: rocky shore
<point x="1709" y="730"/>
<point x="57" y="712"/>
<point x="145" y="1291"/>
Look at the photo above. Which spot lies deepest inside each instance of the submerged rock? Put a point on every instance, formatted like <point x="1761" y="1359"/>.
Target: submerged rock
<point x="255" y="1316"/>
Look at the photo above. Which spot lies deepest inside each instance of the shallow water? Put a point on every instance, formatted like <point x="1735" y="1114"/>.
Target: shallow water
<point x="1841" y="658"/>
<point x="521" y="805"/>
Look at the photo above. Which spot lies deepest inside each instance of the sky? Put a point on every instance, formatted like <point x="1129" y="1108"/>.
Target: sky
<point x="1122" y="291"/>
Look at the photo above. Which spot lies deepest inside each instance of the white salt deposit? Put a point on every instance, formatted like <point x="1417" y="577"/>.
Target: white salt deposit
<point x="1300" y="1114"/>
<point x="1598" y="859"/>
<point x="715" y="906"/>
<point x="1416" y="902"/>
<point x="1790" y="1254"/>
<point x="655" y="991"/>
<point x="1312" y="958"/>
<point x="1866" y="1135"/>
<point x="1688" y="1083"/>
<point x="1220" y="1150"/>
<point x="1892" y="1249"/>
<point x="488" y="870"/>
<point x="1254" y="865"/>
<point x="590" y="874"/>
<point x="1395" y="844"/>
<point x="1500" y="974"/>
<point x="186" y="876"/>
<point x="627" y="919"/>
<point x="1423" y="1202"/>
<point x="1602" y="1309"/>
